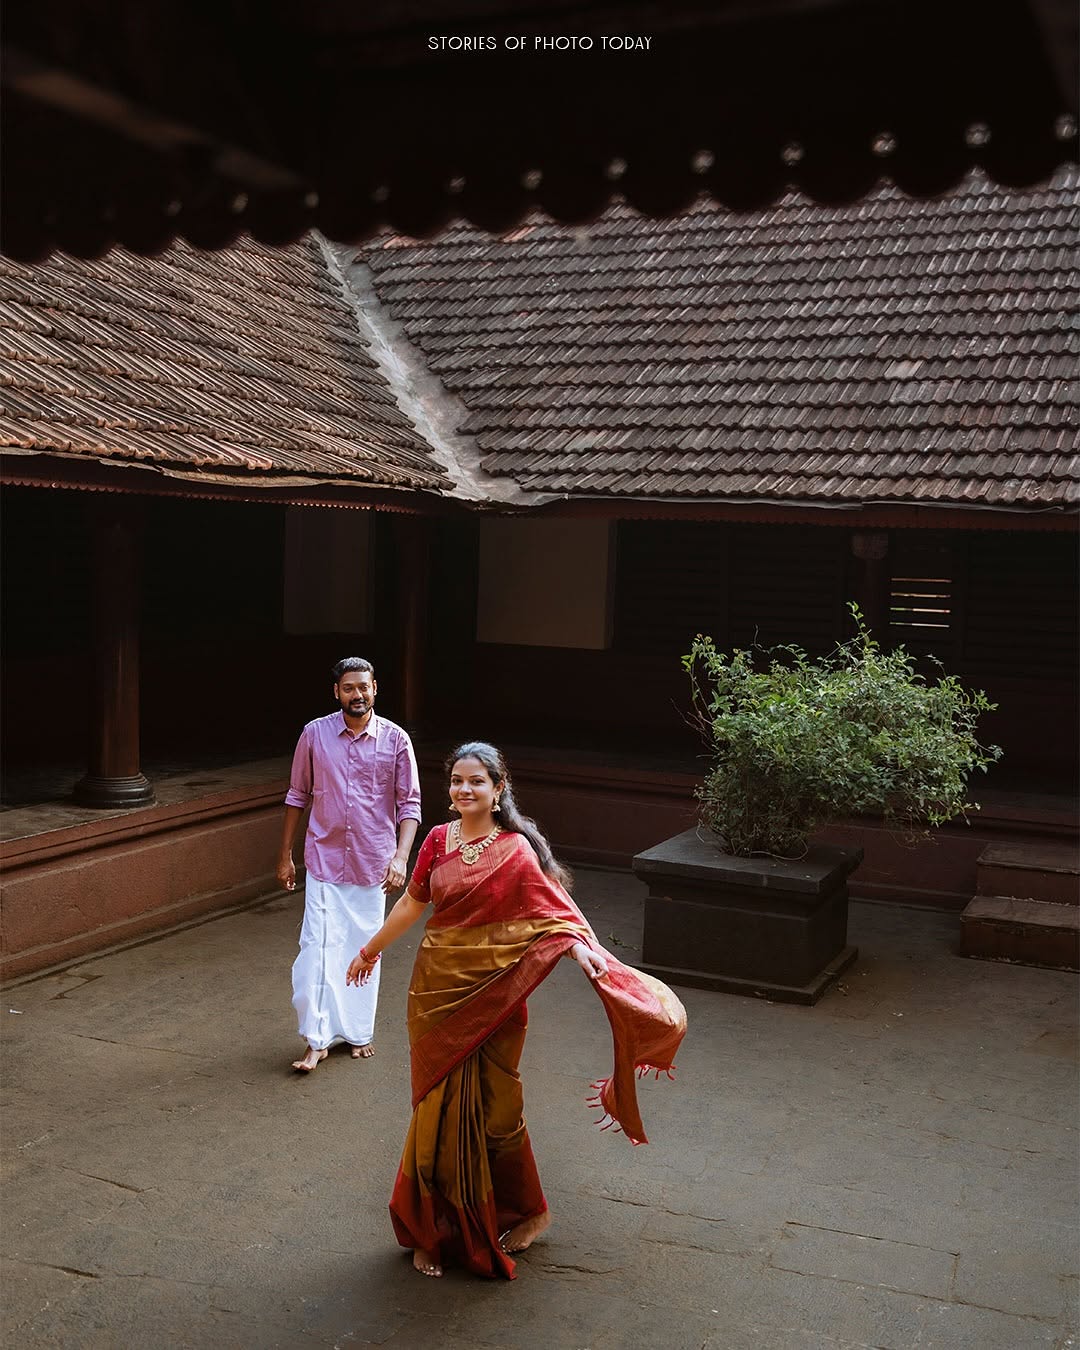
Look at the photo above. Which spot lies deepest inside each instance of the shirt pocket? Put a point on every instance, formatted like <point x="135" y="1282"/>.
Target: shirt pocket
<point x="385" y="767"/>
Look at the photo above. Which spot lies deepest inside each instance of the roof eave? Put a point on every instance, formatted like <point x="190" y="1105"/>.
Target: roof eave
<point x="46" y="469"/>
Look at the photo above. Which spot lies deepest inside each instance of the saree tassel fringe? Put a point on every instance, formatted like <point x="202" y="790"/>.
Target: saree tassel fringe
<point x="667" y="1069"/>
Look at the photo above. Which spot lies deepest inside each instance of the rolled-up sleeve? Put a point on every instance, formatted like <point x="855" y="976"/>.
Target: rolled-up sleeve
<point x="406" y="782"/>
<point x="300" y="779"/>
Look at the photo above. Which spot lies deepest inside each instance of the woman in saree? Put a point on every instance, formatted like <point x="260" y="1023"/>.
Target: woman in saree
<point x="500" y="919"/>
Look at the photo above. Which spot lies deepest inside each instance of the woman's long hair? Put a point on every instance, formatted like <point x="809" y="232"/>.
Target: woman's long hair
<point x="509" y="817"/>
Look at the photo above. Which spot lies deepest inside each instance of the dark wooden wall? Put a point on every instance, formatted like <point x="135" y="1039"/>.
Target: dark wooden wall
<point x="220" y="677"/>
<point x="998" y="608"/>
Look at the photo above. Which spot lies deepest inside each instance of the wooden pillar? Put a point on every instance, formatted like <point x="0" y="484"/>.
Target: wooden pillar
<point x="114" y="779"/>
<point x="412" y="540"/>
<point x="873" y="588"/>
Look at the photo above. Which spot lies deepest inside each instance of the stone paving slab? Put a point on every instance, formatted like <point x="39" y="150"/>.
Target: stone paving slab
<point x="893" y="1168"/>
<point x="904" y="1267"/>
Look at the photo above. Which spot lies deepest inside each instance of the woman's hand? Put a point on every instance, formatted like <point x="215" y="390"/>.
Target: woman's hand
<point x="360" y="968"/>
<point x="592" y="963"/>
<point x="401" y="918"/>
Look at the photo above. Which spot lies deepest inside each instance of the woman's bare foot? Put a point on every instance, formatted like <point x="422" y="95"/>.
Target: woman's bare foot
<point x="426" y="1263"/>
<point x="363" y="1051"/>
<point x="309" y="1061"/>
<point x="524" y="1234"/>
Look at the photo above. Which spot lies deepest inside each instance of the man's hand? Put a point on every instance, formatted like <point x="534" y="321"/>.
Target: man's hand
<point x="286" y="873"/>
<point x="395" y="873"/>
<point x="592" y="963"/>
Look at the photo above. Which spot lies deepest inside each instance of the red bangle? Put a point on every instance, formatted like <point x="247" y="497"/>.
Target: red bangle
<point x="370" y="960"/>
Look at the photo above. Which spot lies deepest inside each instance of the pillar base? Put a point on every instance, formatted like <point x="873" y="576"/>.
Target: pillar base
<point x="115" y="794"/>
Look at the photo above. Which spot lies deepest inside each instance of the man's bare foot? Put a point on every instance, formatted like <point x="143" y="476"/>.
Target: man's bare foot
<point x="309" y="1061"/>
<point x="425" y="1263"/>
<point x="363" y="1051"/>
<point x="524" y="1234"/>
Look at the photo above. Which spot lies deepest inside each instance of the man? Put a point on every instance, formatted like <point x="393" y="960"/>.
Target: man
<point x="358" y="773"/>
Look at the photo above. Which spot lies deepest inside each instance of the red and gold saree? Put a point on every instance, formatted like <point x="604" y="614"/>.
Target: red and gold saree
<point x="497" y="928"/>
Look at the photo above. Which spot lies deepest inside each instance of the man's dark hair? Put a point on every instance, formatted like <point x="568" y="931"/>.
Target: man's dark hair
<point x="351" y="663"/>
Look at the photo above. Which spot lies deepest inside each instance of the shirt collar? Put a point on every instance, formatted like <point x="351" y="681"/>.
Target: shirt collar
<point x="372" y="728"/>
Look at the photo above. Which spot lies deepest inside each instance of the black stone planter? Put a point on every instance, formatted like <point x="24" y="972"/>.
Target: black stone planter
<point x="759" y="926"/>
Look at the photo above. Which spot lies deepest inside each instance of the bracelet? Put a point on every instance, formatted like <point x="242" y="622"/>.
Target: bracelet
<point x="370" y="960"/>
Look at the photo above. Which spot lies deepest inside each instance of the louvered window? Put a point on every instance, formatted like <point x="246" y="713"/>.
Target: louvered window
<point x="924" y="594"/>
<point x="787" y="586"/>
<point x="671" y="582"/>
<point x="739" y="584"/>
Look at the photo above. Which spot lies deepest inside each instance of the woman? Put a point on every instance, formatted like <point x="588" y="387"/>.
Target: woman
<point x="501" y="918"/>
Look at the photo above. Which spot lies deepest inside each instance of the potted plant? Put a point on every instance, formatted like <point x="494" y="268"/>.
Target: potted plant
<point x="746" y="902"/>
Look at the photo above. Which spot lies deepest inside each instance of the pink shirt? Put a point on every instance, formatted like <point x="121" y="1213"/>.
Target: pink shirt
<point x="360" y="788"/>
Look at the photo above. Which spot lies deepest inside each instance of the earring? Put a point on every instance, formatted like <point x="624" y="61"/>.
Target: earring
<point x="453" y="810"/>
<point x="495" y="807"/>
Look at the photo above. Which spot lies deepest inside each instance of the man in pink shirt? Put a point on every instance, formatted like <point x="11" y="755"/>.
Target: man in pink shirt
<point x="358" y="774"/>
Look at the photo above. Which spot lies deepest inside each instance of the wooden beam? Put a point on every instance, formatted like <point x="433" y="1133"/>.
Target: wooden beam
<point x="114" y="778"/>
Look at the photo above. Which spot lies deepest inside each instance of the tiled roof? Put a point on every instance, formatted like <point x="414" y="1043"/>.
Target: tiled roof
<point x="244" y="365"/>
<point x="890" y="351"/>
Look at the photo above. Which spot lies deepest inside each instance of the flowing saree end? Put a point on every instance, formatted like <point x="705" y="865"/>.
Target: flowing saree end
<point x="648" y="1024"/>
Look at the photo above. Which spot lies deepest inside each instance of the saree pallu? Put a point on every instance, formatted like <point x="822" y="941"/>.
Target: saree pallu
<point x="497" y="929"/>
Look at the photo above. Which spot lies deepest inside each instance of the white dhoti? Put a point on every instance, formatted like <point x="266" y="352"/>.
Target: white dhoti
<point x="338" y="920"/>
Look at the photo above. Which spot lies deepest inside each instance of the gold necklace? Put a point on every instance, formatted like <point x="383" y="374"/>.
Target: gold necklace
<point x="470" y="852"/>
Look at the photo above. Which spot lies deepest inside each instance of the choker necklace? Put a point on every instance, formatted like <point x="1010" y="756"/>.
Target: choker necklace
<point x="470" y="852"/>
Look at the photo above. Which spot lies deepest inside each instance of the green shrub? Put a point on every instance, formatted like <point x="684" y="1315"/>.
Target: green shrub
<point x="797" y="743"/>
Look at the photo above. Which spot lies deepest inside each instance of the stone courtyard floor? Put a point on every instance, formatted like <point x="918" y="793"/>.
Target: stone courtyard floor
<point x="895" y="1168"/>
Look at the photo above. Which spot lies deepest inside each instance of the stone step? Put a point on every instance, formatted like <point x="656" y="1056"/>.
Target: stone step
<point x="1044" y="871"/>
<point x="1028" y="932"/>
